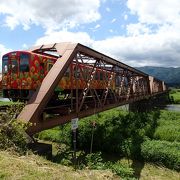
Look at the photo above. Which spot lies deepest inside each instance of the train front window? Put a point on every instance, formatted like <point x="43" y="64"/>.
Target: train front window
<point x="24" y="63"/>
<point x="14" y="66"/>
<point x="5" y="64"/>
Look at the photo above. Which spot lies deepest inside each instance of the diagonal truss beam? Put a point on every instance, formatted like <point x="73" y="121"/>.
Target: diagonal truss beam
<point x="40" y="98"/>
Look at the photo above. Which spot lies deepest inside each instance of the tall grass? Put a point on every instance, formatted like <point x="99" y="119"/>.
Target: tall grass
<point x="175" y="94"/>
<point x="168" y="126"/>
<point x="162" y="152"/>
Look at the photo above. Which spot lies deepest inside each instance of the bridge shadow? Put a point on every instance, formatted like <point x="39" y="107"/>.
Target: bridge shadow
<point x="137" y="166"/>
<point x="137" y="140"/>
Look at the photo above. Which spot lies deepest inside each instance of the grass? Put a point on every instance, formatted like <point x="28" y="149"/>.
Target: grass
<point x="175" y="93"/>
<point x="162" y="152"/>
<point x="168" y="126"/>
<point x="34" y="167"/>
<point x="4" y="103"/>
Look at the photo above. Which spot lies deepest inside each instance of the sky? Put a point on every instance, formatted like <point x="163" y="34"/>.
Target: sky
<point x="135" y="32"/>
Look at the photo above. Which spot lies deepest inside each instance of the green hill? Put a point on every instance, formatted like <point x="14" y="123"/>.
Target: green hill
<point x="170" y="75"/>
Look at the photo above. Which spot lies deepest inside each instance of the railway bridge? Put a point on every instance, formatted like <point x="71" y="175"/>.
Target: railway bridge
<point x="130" y="86"/>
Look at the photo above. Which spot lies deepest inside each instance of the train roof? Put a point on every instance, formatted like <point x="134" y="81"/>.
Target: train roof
<point x="30" y="52"/>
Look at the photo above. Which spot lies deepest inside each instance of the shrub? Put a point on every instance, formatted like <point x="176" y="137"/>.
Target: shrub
<point x="94" y="161"/>
<point x="12" y="132"/>
<point x="162" y="152"/>
<point x="122" y="170"/>
<point x="115" y="132"/>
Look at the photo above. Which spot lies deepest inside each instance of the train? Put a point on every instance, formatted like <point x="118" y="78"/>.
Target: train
<point x="24" y="71"/>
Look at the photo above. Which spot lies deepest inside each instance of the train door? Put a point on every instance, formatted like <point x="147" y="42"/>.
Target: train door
<point x="24" y="61"/>
<point x="5" y="76"/>
<point x="13" y="70"/>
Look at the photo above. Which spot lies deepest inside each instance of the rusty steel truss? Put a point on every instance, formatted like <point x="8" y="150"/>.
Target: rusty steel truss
<point x="130" y="85"/>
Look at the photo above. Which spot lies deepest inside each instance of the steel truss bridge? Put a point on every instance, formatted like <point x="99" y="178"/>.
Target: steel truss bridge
<point x="133" y="86"/>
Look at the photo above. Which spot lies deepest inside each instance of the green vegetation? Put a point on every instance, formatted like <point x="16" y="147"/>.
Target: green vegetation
<point x="168" y="126"/>
<point x="9" y="103"/>
<point x="162" y="152"/>
<point x="35" y="167"/>
<point x="122" y="144"/>
<point x="175" y="94"/>
<point x="12" y="131"/>
<point x="125" y="134"/>
<point x="4" y="103"/>
<point x="115" y="132"/>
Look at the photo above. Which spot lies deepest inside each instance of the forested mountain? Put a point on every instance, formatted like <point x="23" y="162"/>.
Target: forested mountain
<point x="170" y="75"/>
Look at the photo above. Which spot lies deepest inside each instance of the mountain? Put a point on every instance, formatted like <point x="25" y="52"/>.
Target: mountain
<point x="170" y="75"/>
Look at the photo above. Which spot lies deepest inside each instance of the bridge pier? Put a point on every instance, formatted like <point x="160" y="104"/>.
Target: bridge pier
<point x="150" y="103"/>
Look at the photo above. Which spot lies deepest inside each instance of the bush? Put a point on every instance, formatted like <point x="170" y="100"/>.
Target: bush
<point x="12" y="132"/>
<point x="115" y="132"/>
<point x="94" y="161"/>
<point x="122" y="170"/>
<point x="162" y="152"/>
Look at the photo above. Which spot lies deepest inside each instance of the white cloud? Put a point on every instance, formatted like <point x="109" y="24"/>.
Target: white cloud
<point x="64" y="36"/>
<point x="113" y="20"/>
<point x="50" y="14"/>
<point x="137" y="29"/>
<point x="154" y="11"/>
<point x="25" y="46"/>
<point x="125" y="17"/>
<point x="3" y="50"/>
<point x="108" y="9"/>
<point x="148" y="49"/>
<point x="97" y="26"/>
<point x="153" y="40"/>
<point x="142" y="50"/>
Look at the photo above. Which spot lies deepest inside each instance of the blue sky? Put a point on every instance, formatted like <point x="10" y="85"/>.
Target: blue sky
<point x="135" y="32"/>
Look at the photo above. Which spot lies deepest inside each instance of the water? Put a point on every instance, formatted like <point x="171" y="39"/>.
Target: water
<point x="173" y="107"/>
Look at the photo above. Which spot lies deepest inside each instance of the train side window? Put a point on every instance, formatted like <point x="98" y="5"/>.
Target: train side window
<point x="117" y="81"/>
<point x="14" y="66"/>
<point x="5" y="64"/>
<point x="101" y="75"/>
<point x="77" y="73"/>
<point x="66" y="74"/>
<point x="24" y="63"/>
<point x="96" y="75"/>
<point x="49" y="66"/>
<point x="85" y="73"/>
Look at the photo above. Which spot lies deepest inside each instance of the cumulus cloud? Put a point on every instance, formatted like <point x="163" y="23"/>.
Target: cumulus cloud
<point x="155" y="12"/>
<point x="3" y="50"/>
<point x="113" y="20"/>
<point x="125" y="17"/>
<point x="65" y="36"/>
<point x="108" y="9"/>
<point x="154" y="40"/>
<point x="50" y="14"/>
<point x="142" y="50"/>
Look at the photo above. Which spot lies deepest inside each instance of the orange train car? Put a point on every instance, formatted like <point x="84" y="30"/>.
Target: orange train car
<point x="24" y="71"/>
